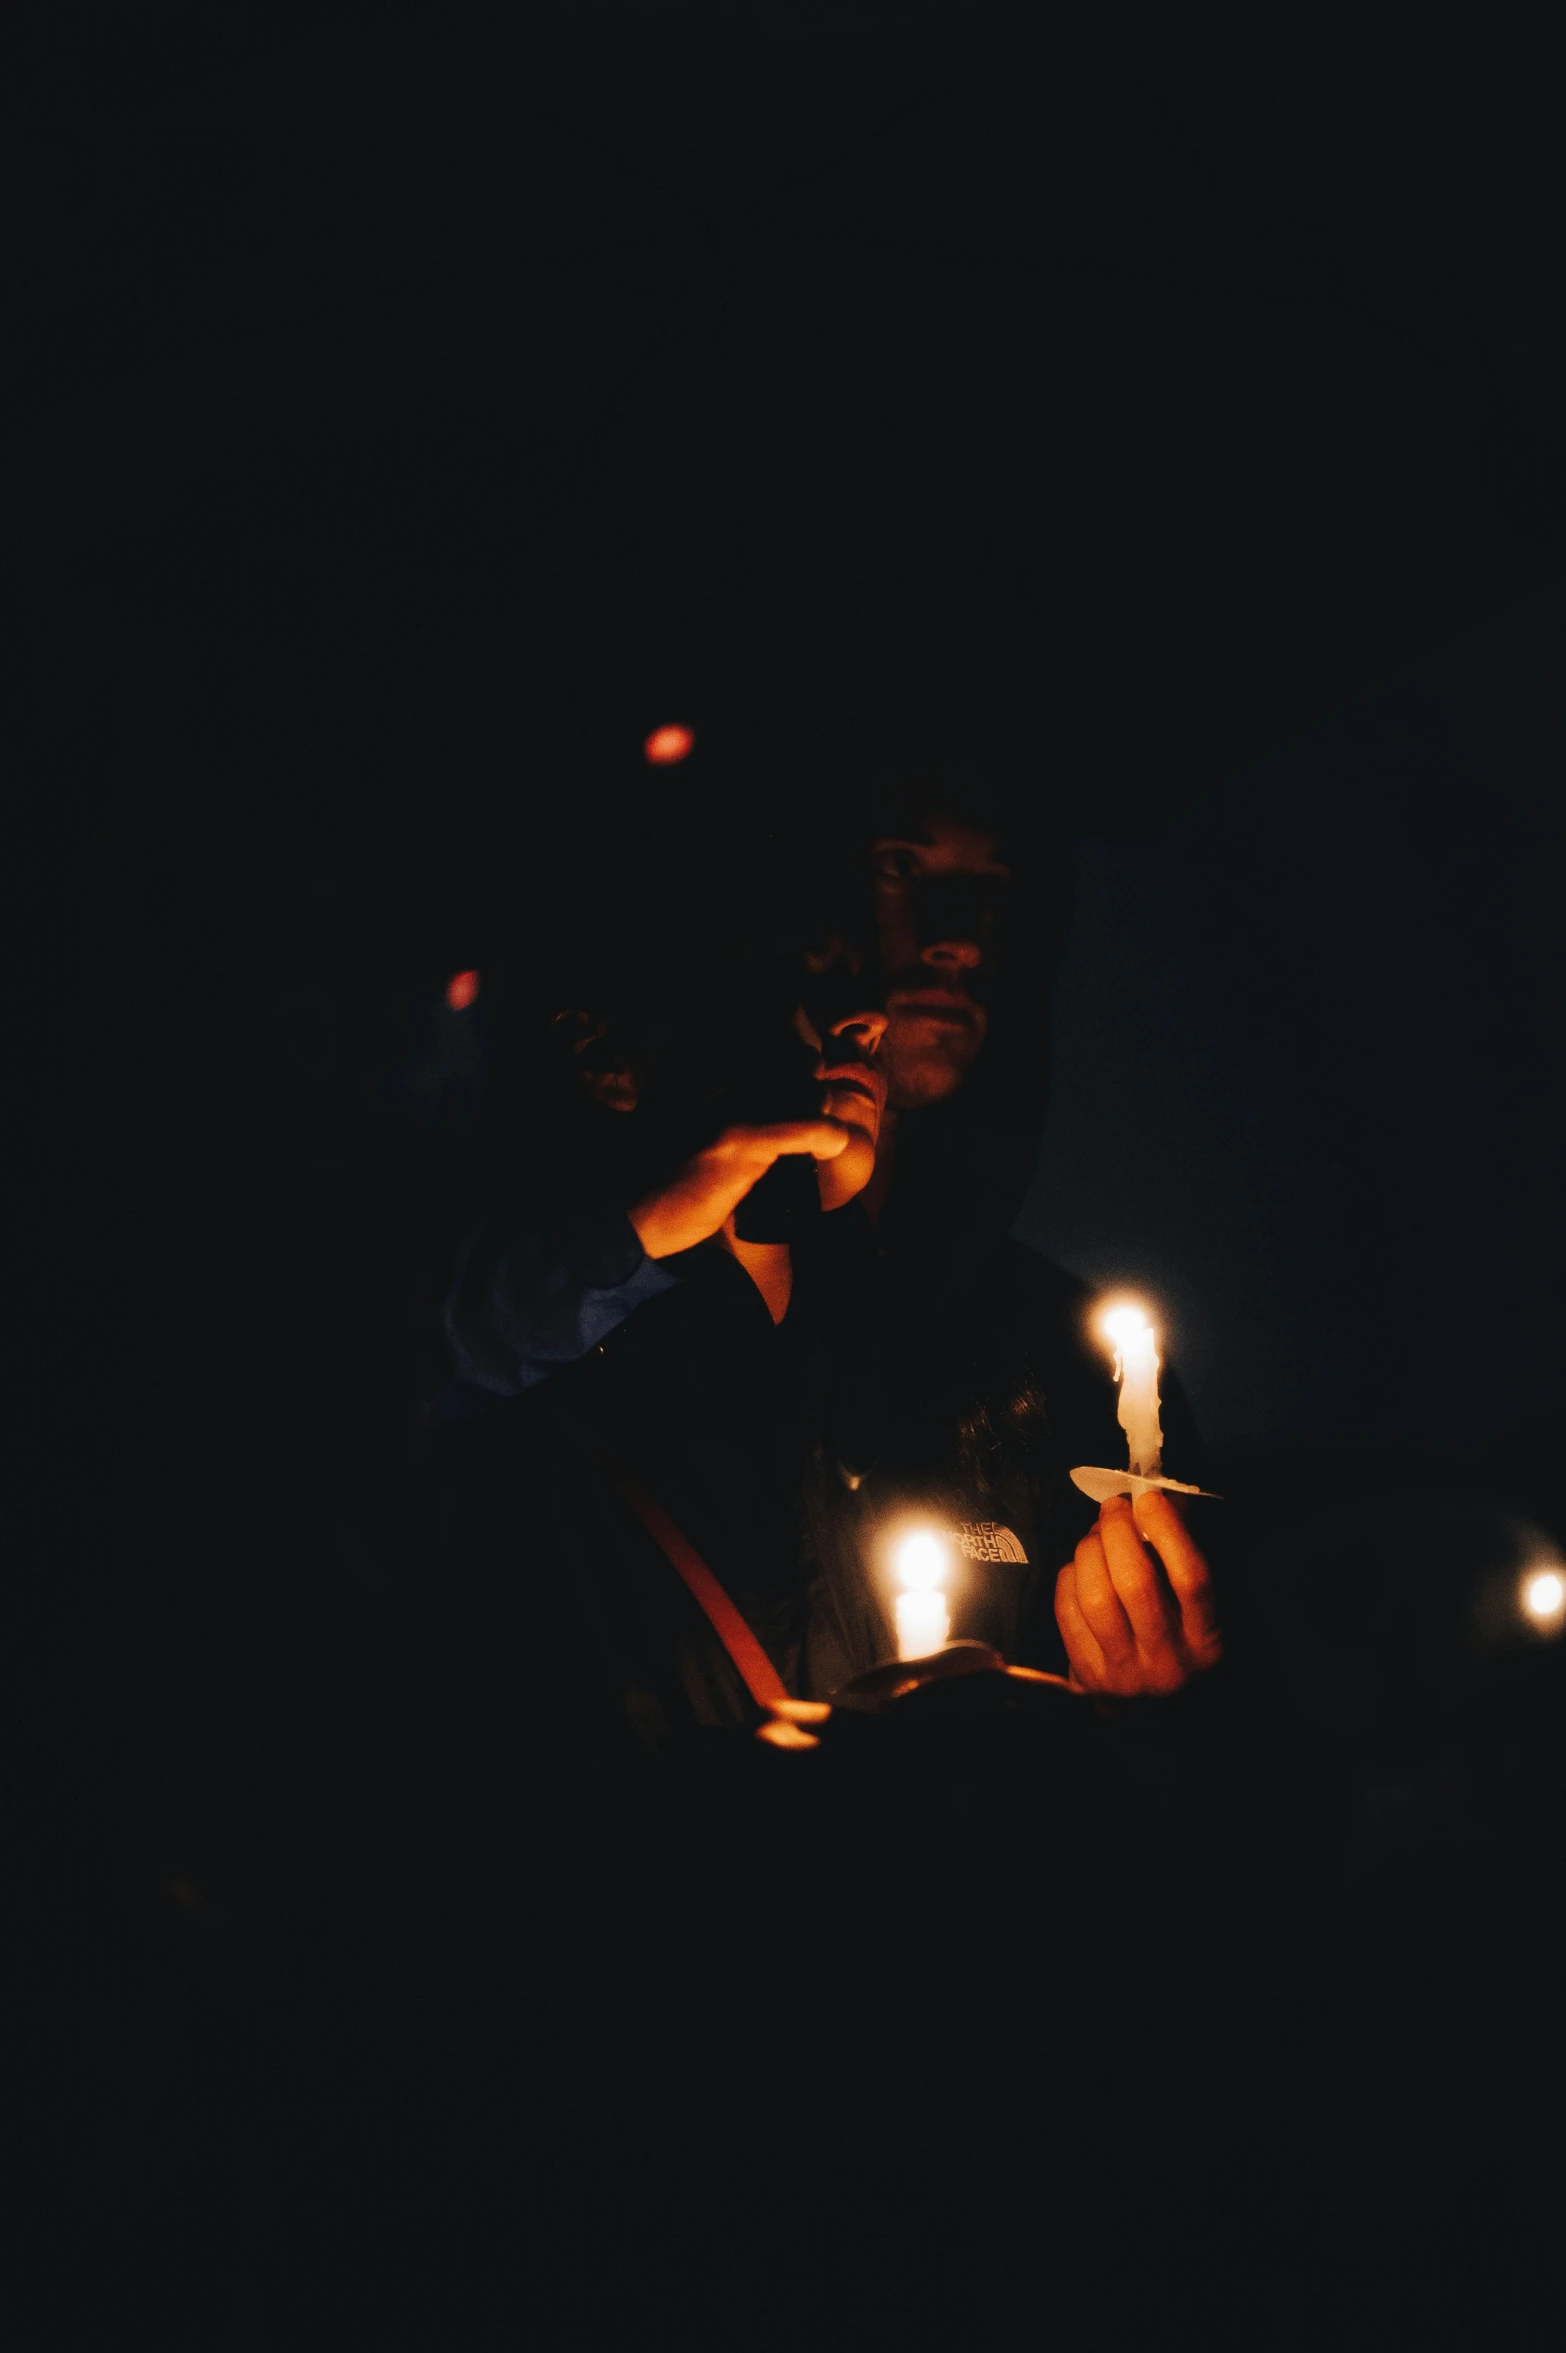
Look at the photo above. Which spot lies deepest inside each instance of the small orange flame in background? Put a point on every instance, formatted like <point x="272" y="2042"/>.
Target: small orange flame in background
<point x="461" y="990"/>
<point x="665" y="745"/>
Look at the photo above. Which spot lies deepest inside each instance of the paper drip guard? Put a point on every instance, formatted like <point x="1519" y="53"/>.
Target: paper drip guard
<point x="1102" y="1484"/>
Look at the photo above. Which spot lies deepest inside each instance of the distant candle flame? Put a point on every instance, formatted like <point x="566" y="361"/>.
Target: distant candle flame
<point x="666" y="745"/>
<point x="1544" y="1597"/>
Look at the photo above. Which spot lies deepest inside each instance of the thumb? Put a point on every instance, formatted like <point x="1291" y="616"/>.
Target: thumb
<point x="823" y="1139"/>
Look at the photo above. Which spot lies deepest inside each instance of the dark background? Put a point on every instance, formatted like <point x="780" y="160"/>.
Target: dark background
<point x="425" y="417"/>
<point x="429" y="417"/>
<point x="427" y="412"/>
<point x="1310" y="1076"/>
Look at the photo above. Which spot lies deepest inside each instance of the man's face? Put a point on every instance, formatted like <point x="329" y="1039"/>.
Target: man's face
<point x="940" y="894"/>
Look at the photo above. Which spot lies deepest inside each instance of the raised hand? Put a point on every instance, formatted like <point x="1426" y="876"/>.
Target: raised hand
<point x="709" y="1188"/>
<point x="1135" y="1624"/>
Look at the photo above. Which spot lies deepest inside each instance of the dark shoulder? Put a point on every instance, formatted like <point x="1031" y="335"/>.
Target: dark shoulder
<point x="1040" y="1278"/>
<point x="1038" y="1292"/>
<point x="533" y="1440"/>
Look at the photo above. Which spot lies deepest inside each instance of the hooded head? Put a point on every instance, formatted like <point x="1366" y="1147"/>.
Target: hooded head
<point x="663" y="968"/>
<point x="952" y="860"/>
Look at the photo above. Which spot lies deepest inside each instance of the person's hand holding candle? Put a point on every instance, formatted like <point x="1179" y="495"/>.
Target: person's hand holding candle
<point x="1135" y="1605"/>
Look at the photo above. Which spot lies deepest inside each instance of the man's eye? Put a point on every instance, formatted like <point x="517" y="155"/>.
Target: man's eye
<point x="895" y="865"/>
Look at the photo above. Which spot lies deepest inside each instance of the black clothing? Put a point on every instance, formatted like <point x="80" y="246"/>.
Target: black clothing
<point x="523" y="1301"/>
<point x="738" y="1428"/>
<point x="586" y="1731"/>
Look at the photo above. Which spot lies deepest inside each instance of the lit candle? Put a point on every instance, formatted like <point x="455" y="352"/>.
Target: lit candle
<point x="1136" y="1369"/>
<point x="1544" y="1598"/>
<point x="923" y="1620"/>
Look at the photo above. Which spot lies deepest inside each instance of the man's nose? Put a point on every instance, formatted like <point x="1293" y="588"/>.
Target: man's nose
<point x="864" y="1031"/>
<point x="952" y="955"/>
<point x="950" y="921"/>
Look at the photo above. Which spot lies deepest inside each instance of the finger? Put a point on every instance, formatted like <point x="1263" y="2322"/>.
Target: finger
<point x="1101" y="1607"/>
<point x="1189" y="1576"/>
<point x="823" y="1139"/>
<point x="1134" y="1574"/>
<point x="1086" y="1660"/>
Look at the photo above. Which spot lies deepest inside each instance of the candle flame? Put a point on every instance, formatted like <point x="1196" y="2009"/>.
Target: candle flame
<point x="1125" y="1324"/>
<point x="1122" y="1323"/>
<point x="920" y="1561"/>
<point x="1544" y="1597"/>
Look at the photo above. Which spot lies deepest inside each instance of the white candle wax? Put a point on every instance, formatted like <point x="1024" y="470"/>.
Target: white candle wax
<point x="1136" y="1369"/>
<point x="923" y="1623"/>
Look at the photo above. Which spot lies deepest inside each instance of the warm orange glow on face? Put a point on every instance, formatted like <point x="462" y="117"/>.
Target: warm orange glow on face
<point x="461" y="990"/>
<point x="665" y="745"/>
